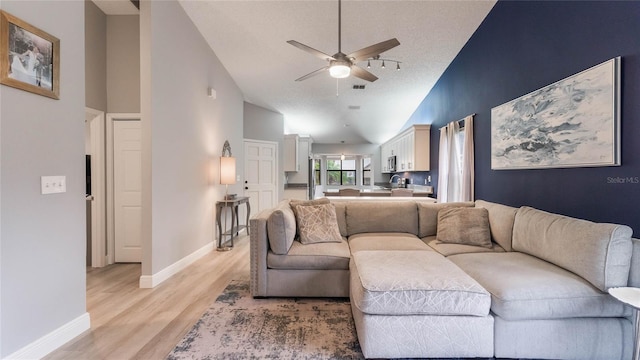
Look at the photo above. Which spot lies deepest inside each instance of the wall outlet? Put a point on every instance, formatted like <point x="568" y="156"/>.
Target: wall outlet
<point x="53" y="184"/>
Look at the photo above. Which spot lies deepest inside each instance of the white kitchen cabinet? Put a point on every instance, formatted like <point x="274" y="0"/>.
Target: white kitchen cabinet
<point x="291" y="153"/>
<point x="304" y="152"/>
<point x="384" y="158"/>
<point x="411" y="148"/>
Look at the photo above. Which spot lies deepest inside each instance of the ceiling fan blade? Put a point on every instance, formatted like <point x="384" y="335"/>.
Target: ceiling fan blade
<point x="373" y="50"/>
<point x="362" y="73"/>
<point x="311" y="50"/>
<point x="313" y="73"/>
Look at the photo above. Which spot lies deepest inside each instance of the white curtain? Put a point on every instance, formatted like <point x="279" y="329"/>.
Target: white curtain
<point x="456" y="162"/>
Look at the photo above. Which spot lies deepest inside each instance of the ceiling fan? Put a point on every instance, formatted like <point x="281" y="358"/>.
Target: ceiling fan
<point x="341" y="65"/>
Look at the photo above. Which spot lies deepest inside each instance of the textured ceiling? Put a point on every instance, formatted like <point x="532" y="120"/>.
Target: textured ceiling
<point x="249" y="38"/>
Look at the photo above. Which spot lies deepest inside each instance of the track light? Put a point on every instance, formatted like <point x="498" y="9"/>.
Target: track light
<point x="368" y="64"/>
<point x="383" y="64"/>
<point x="398" y="66"/>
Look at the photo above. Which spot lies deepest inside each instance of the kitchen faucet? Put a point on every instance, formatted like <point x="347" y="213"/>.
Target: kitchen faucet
<point x="391" y="180"/>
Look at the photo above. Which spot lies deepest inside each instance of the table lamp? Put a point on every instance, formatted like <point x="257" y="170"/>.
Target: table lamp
<point x="227" y="170"/>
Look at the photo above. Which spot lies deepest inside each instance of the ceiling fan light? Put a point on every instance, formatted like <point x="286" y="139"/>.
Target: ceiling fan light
<point x="339" y="71"/>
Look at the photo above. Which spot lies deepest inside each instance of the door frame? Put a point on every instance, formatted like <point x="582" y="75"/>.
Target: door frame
<point x="96" y="120"/>
<point x="111" y="242"/>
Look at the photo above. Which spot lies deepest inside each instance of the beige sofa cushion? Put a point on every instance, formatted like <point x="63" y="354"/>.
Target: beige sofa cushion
<point x="281" y="228"/>
<point x="412" y="283"/>
<point x="341" y="216"/>
<point x="382" y="216"/>
<point x="501" y="218"/>
<point x="524" y="287"/>
<point x="386" y="241"/>
<point x="453" y="249"/>
<point x="467" y="226"/>
<point x="428" y="215"/>
<point x="320" y="256"/>
<point x="600" y="253"/>
<point x="318" y="224"/>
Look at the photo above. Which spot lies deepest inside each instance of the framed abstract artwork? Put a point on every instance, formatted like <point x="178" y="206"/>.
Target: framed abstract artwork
<point x="29" y="57"/>
<point x="574" y="122"/>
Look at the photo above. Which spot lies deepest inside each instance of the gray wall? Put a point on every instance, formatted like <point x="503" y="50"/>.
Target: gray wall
<point x="123" y="64"/>
<point x="42" y="237"/>
<point x="96" y="57"/>
<point x="266" y="125"/>
<point x="112" y="50"/>
<point x="183" y="134"/>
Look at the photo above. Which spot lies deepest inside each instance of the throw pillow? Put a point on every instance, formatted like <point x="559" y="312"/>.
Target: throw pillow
<point x="298" y="203"/>
<point x="318" y="224"/>
<point x="281" y="228"/>
<point x="468" y="226"/>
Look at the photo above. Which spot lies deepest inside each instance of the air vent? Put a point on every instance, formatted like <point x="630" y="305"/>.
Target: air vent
<point x="358" y="87"/>
<point x="354" y="107"/>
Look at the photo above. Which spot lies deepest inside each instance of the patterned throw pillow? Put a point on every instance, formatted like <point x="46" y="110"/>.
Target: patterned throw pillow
<point x="318" y="224"/>
<point x="468" y="226"/>
<point x="295" y="204"/>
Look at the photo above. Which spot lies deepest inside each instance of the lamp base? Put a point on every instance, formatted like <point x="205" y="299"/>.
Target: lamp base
<point x="225" y="248"/>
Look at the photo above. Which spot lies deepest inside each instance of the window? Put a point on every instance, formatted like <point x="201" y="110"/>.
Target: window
<point x="341" y="172"/>
<point x="316" y="168"/>
<point x="366" y="172"/>
<point x="456" y="162"/>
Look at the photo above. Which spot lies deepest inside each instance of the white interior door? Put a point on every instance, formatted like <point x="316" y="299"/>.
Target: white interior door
<point x="260" y="171"/>
<point x="127" y="181"/>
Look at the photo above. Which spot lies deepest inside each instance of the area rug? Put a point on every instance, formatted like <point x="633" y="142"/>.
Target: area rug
<point x="237" y="326"/>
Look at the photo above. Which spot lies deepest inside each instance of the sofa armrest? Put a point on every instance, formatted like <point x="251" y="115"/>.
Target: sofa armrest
<point x="634" y="272"/>
<point x="259" y="246"/>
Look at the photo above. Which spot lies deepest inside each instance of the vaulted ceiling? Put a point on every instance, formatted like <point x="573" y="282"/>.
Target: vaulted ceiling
<point x="250" y="39"/>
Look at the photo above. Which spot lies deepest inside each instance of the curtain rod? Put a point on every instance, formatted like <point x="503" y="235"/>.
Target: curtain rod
<point x="461" y="120"/>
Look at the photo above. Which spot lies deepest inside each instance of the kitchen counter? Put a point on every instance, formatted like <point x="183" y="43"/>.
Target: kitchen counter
<point x="381" y="198"/>
<point x="380" y="193"/>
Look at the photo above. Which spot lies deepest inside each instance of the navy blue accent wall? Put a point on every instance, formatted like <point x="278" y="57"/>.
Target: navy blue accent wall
<point x="520" y="47"/>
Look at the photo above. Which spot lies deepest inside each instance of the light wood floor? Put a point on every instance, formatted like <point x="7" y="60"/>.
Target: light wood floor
<point x="132" y="323"/>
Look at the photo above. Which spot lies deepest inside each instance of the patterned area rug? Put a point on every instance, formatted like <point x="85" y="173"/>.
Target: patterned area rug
<point x="237" y="326"/>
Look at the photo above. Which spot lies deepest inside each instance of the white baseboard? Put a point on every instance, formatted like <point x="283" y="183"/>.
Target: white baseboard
<point x="53" y="340"/>
<point x="151" y="281"/>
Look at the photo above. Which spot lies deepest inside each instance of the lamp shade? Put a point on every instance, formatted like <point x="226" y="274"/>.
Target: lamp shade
<point x="227" y="170"/>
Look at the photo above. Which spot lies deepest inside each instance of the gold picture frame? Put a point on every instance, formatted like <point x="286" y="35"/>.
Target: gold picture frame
<point x="29" y="57"/>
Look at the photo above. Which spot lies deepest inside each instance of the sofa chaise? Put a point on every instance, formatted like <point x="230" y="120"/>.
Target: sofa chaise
<point x="520" y="283"/>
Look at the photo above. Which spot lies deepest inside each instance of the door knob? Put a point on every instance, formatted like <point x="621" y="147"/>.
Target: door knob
<point x="246" y="188"/>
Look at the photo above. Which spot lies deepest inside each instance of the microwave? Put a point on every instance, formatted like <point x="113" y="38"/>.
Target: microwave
<point x="391" y="164"/>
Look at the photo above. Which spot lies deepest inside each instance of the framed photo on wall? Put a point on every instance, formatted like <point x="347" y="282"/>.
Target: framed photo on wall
<point x="29" y="57"/>
<point x="574" y="122"/>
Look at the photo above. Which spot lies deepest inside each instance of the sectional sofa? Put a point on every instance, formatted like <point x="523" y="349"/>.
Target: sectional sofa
<point x="474" y="279"/>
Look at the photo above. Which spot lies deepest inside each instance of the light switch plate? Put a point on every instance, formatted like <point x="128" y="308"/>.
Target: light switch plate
<point x="53" y="184"/>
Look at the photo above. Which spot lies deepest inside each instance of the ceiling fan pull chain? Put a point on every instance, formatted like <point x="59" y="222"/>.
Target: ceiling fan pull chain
<point x="337" y="87"/>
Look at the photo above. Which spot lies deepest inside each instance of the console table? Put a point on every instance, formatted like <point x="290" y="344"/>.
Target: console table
<point x="235" y="222"/>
